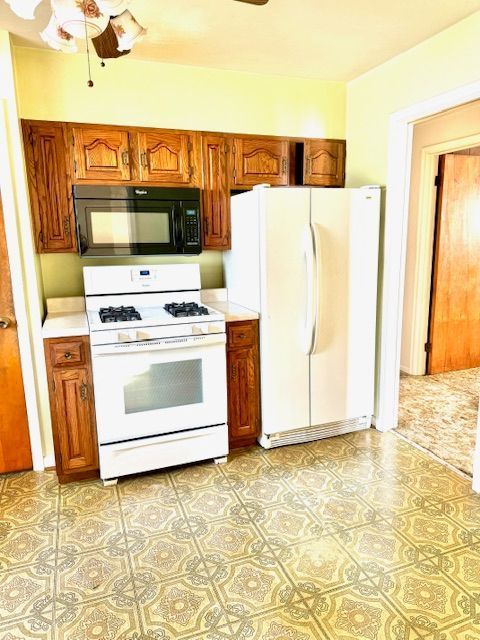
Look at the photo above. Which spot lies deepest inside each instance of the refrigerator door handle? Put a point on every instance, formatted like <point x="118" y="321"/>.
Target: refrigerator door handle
<point x="310" y="268"/>
<point x="317" y="245"/>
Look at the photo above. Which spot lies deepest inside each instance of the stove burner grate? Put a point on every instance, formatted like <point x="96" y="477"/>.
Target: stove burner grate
<point x="185" y="309"/>
<point x="119" y="314"/>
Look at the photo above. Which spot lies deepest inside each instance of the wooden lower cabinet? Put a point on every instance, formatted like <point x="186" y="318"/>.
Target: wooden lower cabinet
<point x="243" y="383"/>
<point x="72" y="407"/>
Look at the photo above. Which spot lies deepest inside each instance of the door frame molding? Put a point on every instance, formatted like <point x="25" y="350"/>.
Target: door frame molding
<point x="18" y="279"/>
<point x="400" y="135"/>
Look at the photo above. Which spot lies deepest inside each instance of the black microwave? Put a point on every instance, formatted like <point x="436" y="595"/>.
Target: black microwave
<point x="137" y="221"/>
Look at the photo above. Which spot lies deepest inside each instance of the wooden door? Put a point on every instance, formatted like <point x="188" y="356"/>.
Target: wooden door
<point x="167" y="157"/>
<point x="101" y="154"/>
<point x="324" y="163"/>
<point x="260" y="160"/>
<point x="454" y="334"/>
<point x="216" y="160"/>
<point x="15" y="452"/>
<point x="50" y="186"/>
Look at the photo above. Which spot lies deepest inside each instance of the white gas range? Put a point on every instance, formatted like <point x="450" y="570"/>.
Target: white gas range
<point x="159" y="368"/>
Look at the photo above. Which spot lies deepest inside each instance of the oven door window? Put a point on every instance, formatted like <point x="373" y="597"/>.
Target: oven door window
<point x="165" y="385"/>
<point x="128" y="228"/>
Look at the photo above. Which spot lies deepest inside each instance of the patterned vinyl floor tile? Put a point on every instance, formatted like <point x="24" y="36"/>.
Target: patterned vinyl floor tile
<point x="360" y="537"/>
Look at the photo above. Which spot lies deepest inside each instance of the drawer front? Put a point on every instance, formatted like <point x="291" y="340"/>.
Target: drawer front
<point x="63" y="354"/>
<point x="241" y="334"/>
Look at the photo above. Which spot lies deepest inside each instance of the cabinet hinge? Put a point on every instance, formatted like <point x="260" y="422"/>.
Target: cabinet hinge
<point x="437" y="181"/>
<point x="226" y="148"/>
<point x="54" y="385"/>
<point x="40" y="238"/>
<point x="190" y="146"/>
<point x="428" y="347"/>
<point x="73" y="140"/>
<point x="30" y="137"/>
<point x="234" y="173"/>
<point x="234" y="150"/>
<point x="190" y="171"/>
<point x="75" y="166"/>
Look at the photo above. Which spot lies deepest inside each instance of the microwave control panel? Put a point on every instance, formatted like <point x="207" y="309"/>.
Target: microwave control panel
<point x="192" y="227"/>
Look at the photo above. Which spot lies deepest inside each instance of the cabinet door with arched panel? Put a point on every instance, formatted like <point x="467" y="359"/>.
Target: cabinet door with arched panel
<point x="168" y="157"/>
<point x="324" y="163"/>
<point x="258" y="160"/>
<point x="101" y="154"/>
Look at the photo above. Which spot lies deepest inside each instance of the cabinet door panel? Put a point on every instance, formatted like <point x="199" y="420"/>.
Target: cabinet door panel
<point x="74" y="419"/>
<point x="167" y="157"/>
<point x="260" y="160"/>
<point x="216" y="192"/>
<point x="50" y="186"/>
<point x="324" y="163"/>
<point x="243" y="397"/>
<point x="101" y="153"/>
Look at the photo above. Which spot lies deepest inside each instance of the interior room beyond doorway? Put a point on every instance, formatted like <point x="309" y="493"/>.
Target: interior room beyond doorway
<point x="440" y="370"/>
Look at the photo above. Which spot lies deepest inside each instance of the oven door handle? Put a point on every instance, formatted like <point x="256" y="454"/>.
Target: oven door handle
<point x="158" y="345"/>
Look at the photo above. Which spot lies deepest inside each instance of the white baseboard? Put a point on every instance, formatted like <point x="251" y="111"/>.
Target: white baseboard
<point x="49" y="461"/>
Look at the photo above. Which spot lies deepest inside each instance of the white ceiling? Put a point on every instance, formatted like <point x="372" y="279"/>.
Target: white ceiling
<point x="309" y="38"/>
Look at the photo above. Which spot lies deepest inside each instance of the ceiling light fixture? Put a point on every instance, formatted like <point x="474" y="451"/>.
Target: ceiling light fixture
<point x="110" y="25"/>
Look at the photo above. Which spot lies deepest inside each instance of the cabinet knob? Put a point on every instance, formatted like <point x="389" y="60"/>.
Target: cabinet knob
<point x="125" y="157"/>
<point x="83" y="392"/>
<point x="4" y="323"/>
<point x="241" y="336"/>
<point x="67" y="355"/>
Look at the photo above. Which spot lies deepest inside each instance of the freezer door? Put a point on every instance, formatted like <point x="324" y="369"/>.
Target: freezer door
<point x="284" y="217"/>
<point x="345" y="224"/>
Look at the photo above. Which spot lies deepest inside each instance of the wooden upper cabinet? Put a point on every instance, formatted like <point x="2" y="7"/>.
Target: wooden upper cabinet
<point x="101" y="154"/>
<point x="260" y="160"/>
<point x="168" y="157"/>
<point x="50" y="186"/>
<point x="324" y="163"/>
<point x="216" y="156"/>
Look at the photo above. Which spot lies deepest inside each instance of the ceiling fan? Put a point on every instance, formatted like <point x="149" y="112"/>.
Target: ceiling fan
<point x="109" y="24"/>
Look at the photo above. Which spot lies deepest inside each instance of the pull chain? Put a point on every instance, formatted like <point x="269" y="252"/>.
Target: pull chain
<point x="90" y="81"/>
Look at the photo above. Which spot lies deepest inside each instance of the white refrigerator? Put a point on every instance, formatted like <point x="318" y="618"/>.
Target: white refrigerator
<point x="306" y="260"/>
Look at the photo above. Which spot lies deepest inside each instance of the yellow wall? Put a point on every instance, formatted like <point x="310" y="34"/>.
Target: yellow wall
<point x="52" y="86"/>
<point x="439" y="64"/>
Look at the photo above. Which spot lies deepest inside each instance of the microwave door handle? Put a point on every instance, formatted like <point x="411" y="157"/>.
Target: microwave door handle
<point x="177" y="225"/>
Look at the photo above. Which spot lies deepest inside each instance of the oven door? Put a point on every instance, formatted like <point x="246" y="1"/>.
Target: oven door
<point x="159" y="387"/>
<point x="128" y="227"/>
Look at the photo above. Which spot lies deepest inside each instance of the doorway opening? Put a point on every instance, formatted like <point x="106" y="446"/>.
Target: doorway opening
<point x="440" y="388"/>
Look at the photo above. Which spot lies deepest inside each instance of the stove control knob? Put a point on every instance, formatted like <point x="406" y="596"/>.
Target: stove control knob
<point x="197" y="330"/>
<point x="124" y="336"/>
<point x="214" y="328"/>
<point x="143" y="335"/>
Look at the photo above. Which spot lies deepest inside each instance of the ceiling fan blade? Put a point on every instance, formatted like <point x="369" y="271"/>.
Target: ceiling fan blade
<point x="257" y="2"/>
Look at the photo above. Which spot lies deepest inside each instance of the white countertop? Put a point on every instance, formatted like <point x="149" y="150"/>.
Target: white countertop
<point x="233" y="312"/>
<point x="66" y="317"/>
<point x="218" y="299"/>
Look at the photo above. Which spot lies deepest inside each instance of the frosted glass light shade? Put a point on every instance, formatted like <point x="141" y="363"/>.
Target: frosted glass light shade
<point x="24" y="8"/>
<point x="113" y="7"/>
<point x="57" y="38"/>
<point x="127" y="30"/>
<point x="80" y="18"/>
